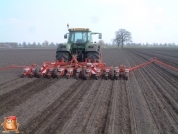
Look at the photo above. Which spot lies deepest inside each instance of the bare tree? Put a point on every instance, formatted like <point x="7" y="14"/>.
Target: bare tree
<point x="122" y="36"/>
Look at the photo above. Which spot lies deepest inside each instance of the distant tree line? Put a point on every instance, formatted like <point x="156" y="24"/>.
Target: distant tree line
<point x="152" y="44"/>
<point x="34" y="44"/>
<point x="127" y="45"/>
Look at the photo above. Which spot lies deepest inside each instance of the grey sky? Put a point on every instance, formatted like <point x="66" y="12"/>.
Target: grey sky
<point x="38" y="20"/>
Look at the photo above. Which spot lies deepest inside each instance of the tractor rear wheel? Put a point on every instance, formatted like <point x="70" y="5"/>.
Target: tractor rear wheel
<point x="62" y="55"/>
<point x="94" y="55"/>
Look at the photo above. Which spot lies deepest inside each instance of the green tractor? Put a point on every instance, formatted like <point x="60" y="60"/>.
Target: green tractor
<point x="79" y="43"/>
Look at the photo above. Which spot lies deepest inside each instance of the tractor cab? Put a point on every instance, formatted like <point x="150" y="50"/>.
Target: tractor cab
<point x="80" y="35"/>
<point x="79" y="43"/>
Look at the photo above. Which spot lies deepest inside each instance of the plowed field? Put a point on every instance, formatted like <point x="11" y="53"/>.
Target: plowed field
<point x="145" y="104"/>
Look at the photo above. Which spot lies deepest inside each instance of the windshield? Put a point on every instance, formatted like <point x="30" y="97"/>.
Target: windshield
<point x="79" y="37"/>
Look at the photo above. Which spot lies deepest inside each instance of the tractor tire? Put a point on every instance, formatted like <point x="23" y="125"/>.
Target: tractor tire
<point x="62" y="55"/>
<point x="94" y="55"/>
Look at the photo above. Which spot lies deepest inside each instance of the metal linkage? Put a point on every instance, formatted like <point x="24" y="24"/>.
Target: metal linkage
<point x="153" y="60"/>
<point x="141" y="65"/>
<point x="12" y="66"/>
<point x="164" y="64"/>
<point x="83" y="70"/>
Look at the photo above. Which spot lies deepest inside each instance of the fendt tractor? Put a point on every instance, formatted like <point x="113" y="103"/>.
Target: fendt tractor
<point x="79" y="43"/>
<point x="80" y="57"/>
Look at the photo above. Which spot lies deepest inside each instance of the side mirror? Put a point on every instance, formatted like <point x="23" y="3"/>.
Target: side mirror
<point x="65" y="36"/>
<point x="100" y="36"/>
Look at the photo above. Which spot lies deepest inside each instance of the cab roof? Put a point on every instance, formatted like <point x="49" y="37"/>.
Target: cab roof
<point x="79" y="29"/>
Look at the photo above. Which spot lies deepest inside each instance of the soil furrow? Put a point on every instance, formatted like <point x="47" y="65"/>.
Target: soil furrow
<point x="145" y="121"/>
<point x="163" y="92"/>
<point x="43" y="117"/>
<point x="162" y="118"/>
<point x="165" y="77"/>
<point x="110" y="127"/>
<point x="124" y="111"/>
<point x="156" y="105"/>
<point x="80" y="120"/>
<point x="105" y="110"/>
<point x="38" y="102"/>
<point x="15" y="84"/>
<point x="146" y="103"/>
<point x="67" y="111"/>
<point x="98" y="113"/>
<point x="21" y="94"/>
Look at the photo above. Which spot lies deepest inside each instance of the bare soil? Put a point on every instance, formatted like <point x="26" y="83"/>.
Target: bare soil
<point x="145" y="104"/>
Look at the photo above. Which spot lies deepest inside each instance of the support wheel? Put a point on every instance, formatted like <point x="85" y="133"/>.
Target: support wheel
<point x="37" y="72"/>
<point x="112" y="73"/>
<point x="116" y="77"/>
<point x="55" y="73"/>
<point x="67" y="76"/>
<point x="87" y="77"/>
<point x="83" y="73"/>
<point x="96" y="77"/>
<point x="77" y="76"/>
<point x="126" y="77"/>
<point x="22" y="76"/>
<point x="49" y="76"/>
<point x="31" y="75"/>
<point x="106" y="77"/>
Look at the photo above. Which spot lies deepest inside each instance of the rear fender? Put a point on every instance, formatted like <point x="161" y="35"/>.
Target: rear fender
<point x="63" y="47"/>
<point x="95" y="48"/>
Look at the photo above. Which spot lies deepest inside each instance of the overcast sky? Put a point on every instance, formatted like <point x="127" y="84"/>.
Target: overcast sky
<point x="31" y="21"/>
